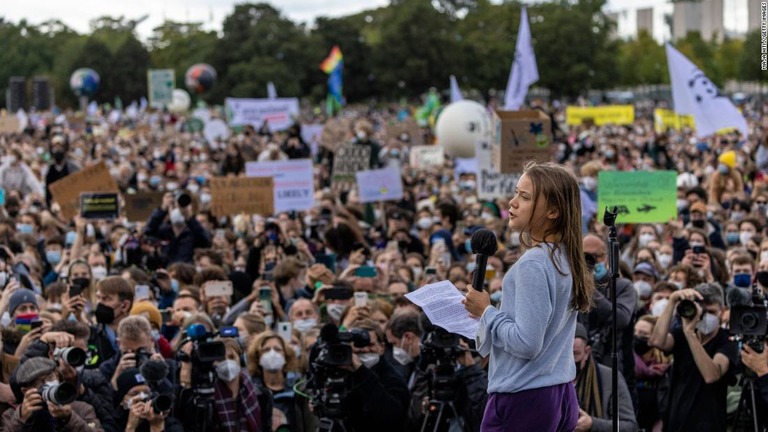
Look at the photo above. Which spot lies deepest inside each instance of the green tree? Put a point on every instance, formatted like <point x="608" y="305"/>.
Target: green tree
<point x="749" y="59"/>
<point x="725" y="54"/>
<point x="642" y="61"/>
<point x="702" y="54"/>
<point x="176" y="45"/>
<point x="131" y="62"/>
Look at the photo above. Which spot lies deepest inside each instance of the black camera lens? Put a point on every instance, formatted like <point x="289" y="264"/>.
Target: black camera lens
<point x="59" y="394"/>
<point x="73" y="356"/>
<point x="687" y="309"/>
<point x="161" y="403"/>
<point x="183" y="199"/>
<point x="749" y="321"/>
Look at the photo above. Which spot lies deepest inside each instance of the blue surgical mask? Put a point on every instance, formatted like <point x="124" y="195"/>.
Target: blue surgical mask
<point x="25" y="228"/>
<point x="155" y="180"/>
<point x="175" y="285"/>
<point x="723" y="168"/>
<point x="732" y="238"/>
<point x="468" y="246"/>
<point x="70" y="239"/>
<point x="742" y="280"/>
<point x="496" y="296"/>
<point x="53" y="257"/>
<point x="600" y="271"/>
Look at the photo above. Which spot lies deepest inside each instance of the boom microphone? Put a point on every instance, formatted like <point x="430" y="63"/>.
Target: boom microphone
<point x="484" y="245"/>
<point x="738" y="297"/>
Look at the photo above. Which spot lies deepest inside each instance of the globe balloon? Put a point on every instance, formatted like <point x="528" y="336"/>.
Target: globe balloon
<point x="460" y="126"/>
<point x="84" y="82"/>
<point x="200" y="78"/>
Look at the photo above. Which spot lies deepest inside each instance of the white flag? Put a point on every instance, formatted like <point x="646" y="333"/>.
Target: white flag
<point x="694" y="94"/>
<point x="455" y="91"/>
<point x="271" y="90"/>
<point x="524" y="70"/>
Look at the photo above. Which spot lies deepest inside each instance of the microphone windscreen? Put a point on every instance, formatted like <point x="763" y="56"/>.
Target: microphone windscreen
<point x="484" y="242"/>
<point x="154" y="370"/>
<point x="738" y="297"/>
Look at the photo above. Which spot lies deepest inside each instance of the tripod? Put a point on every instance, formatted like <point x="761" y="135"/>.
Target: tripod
<point x="204" y="409"/>
<point x="439" y="416"/>
<point x="747" y="407"/>
<point x="609" y="219"/>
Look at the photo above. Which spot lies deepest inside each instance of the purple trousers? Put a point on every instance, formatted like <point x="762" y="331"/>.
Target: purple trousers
<point x="546" y="409"/>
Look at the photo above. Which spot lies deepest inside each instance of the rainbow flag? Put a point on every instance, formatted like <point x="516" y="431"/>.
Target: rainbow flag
<point x="334" y="59"/>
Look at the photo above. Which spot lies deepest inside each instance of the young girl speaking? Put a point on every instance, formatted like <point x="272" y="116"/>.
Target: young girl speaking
<point x="530" y="337"/>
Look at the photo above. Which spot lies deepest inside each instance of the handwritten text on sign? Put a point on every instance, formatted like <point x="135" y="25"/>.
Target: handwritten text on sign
<point x="234" y="195"/>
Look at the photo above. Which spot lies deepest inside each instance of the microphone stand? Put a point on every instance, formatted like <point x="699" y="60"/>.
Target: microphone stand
<point x="609" y="219"/>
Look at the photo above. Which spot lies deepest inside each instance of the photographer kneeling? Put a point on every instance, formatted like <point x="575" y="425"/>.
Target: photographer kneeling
<point x="47" y="405"/>
<point x="704" y="359"/>
<point x="140" y="408"/>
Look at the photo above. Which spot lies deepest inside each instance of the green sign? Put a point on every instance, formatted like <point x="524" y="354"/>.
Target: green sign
<point x="640" y="196"/>
<point x="160" y="83"/>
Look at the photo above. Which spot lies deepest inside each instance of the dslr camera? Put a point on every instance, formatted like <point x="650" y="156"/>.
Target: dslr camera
<point x="749" y="322"/>
<point x="72" y="356"/>
<point x="58" y="394"/>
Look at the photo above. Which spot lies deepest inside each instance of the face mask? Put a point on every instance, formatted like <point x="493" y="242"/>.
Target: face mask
<point x="708" y="324"/>
<point x="742" y="280"/>
<point x="228" y="370"/>
<point x="590" y="183"/>
<point x="25" y="228"/>
<point x="722" y="168"/>
<point x="610" y="154"/>
<point x="659" y="307"/>
<point x="155" y="181"/>
<point x="53" y="257"/>
<point x="641" y="345"/>
<point x="600" y="271"/>
<point x="698" y="223"/>
<point x="644" y="239"/>
<point x="193" y="188"/>
<point x="104" y="314"/>
<point x="488" y="217"/>
<point x="401" y="355"/>
<point x="90" y="231"/>
<point x="155" y="335"/>
<point x="369" y="360"/>
<point x="272" y="360"/>
<point x="732" y="238"/>
<point x="58" y="156"/>
<point x="682" y="204"/>
<point x="424" y="223"/>
<point x="141" y="178"/>
<point x="643" y="288"/>
<point x="361" y="135"/>
<point x="175" y="285"/>
<point x="496" y="296"/>
<point x="335" y="311"/>
<point x="745" y="237"/>
<point x="54" y="307"/>
<point x="304" y="325"/>
<point x="471" y="267"/>
<point x="737" y="216"/>
<point x="664" y="260"/>
<point x="416" y="272"/>
<point x="205" y="197"/>
<point x="468" y="246"/>
<point x="176" y="217"/>
<point x="99" y="272"/>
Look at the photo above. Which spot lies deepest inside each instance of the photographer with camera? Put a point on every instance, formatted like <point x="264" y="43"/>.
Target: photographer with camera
<point x="704" y="359"/>
<point x="45" y="403"/>
<point x="141" y="409"/>
<point x="182" y="231"/>
<point x="757" y="362"/>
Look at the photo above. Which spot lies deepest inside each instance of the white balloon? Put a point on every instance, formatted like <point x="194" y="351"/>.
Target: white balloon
<point x="216" y="129"/>
<point x="460" y="126"/>
<point x="181" y="101"/>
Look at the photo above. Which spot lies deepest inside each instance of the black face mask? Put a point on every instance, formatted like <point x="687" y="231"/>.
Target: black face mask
<point x="699" y="223"/>
<point x="104" y="314"/>
<point x="762" y="278"/>
<point x="58" y="156"/>
<point x="640" y="345"/>
<point x="403" y="244"/>
<point x="82" y="283"/>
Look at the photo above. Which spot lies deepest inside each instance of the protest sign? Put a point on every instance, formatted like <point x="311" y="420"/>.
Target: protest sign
<point x="160" y="83"/>
<point x="601" y="115"/>
<point x="491" y="184"/>
<point x="426" y="156"/>
<point x="99" y="205"/>
<point x="380" y="185"/>
<point x="664" y="120"/>
<point x="335" y="132"/>
<point x="520" y="136"/>
<point x="294" y="182"/>
<point x="312" y="134"/>
<point x="139" y="206"/>
<point x="66" y="192"/>
<point x="641" y="196"/>
<point x="9" y="124"/>
<point x="348" y="160"/>
<point x="278" y="113"/>
<point x="234" y="195"/>
<point x="408" y="126"/>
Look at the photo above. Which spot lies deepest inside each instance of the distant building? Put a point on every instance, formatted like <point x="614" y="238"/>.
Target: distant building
<point x="753" y="14"/>
<point x="712" y="27"/>
<point x="645" y="20"/>
<point x="686" y="17"/>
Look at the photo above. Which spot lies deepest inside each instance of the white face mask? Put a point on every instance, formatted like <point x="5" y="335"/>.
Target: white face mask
<point x="3" y="278"/>
<point x="361" y="135"/>
<point x="401" y="355"/>
<point x="708" y="324"/>
<point x="297" y="351"/>
<point x="643" y="288"/>
<point x="659" y="307"/>
<point x="305" y="324"/>
<point x="99" y="273"/>
<point x="176" y="217"/>
<point x="272" y="360"/>
<point x="369" y="360"/>
<point x="590" y="183"/>
<point x="424" y="223"/>
<point x="417" y="272"/>
<point x="664" y="260"/>
<point x="763" y="256"/>
<point x="228" y="370"/>
<point x="644" y="239"/>
<point x="745" y="237"/>
<point x="335" y="310"/>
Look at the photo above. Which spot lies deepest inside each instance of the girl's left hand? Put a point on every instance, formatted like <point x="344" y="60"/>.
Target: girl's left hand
<point x="476" y="301"/>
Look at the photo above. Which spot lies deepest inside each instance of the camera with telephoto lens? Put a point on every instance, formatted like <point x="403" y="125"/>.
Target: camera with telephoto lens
<point x="749" y="322"/>
<point x="687" y="308"/>
<point x="327" y="375"/>
<point x="183" y="198"/>
<point x="72" y="356"/>
<point x="160" y="403"/>
<point x="141" y="356"/>
<point x="58" y="394"/>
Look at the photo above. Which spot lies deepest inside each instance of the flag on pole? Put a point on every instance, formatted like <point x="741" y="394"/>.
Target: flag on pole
<point x="524" y="71"/>
<point x="333" y="66"/>
<point x="455" y="91"/>
<point x="694" y="94"/>
<point x="271" y="90"/>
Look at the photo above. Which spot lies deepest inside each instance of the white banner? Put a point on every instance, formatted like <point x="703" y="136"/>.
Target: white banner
<point x="490" y="183"/>
<point x="294" y="182"/>
<point x="278" y="113"/>
<point x="380" y="185"/>
<point x="427" y="156"/>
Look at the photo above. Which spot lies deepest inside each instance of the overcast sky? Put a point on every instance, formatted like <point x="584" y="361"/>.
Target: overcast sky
<point x="78" y="13"/>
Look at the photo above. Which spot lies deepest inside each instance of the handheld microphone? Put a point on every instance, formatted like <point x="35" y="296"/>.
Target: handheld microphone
<point x="484" y="245"/>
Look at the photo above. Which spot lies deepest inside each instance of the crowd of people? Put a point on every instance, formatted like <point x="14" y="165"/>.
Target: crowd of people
<point x="299" y="320"/>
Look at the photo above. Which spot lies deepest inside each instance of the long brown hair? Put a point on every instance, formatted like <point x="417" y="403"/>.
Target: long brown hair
<point x="560" y="190"/>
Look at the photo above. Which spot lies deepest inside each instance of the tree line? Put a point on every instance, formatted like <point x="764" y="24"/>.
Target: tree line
<point x="390" y="53"/>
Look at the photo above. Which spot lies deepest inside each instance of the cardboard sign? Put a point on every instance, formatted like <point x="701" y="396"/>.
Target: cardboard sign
<point x="234" y="195"/>
<point x="427" y="157"/>
<point x="335" y="133"/>
<point x="664" y="119"/>
<point x="294" y="182"/>
<point x="348" y="160"/>
<point x="520" y="136"/>
<point x="99" y="205"/>
<point x="278" y="113"/>
<point x="9" y="124"/>
<point x="409" y="126"/>
<point x="600" y="115"/>
<point x="94" y="178"/>
<point x="641" y="196"/>
<point x="139" y="206"/>
<point x="380" y="185"/>
<point x="492" y="184"/>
